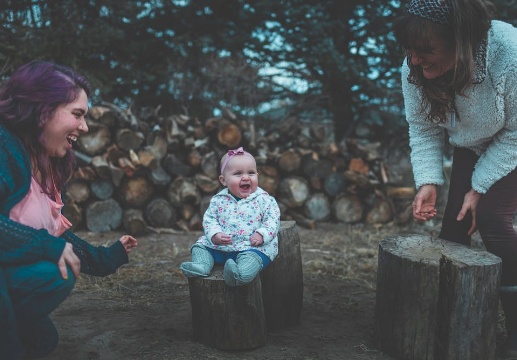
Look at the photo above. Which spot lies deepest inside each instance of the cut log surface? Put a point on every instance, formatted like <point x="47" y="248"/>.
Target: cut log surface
<point x="436" y="299"/>
<point x="347" y="208"/>
<point x="133" y="221"/>
<point x="317" y="207"/>
<point x="289" y="161"/>
<point x="136" y="191"/>
<point x="224" y="317"/>
<point x="102" y="189"/>
<point x="96" y="140"/>
<point x="160" y="213"/>
<point x="282" y="281"/>
<point x="293" y="191"/>
<point x="104" y="215"/>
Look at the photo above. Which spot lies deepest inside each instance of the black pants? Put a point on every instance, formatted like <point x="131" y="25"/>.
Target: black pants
<point x="494" y="213"/>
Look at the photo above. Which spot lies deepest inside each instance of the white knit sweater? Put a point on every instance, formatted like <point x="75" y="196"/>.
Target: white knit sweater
<point x="487" y="117"/>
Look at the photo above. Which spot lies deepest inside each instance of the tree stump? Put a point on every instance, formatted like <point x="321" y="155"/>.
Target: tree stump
<point x="436" y="299"/>
<point x="282" y="281"/>
<point x="225" y="317"/>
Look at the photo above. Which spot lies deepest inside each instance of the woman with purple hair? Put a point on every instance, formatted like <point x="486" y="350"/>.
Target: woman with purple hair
<point x="42" y="113"/>
<point x="459" y="82"/>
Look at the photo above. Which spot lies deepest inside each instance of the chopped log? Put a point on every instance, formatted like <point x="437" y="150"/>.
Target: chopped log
<point x="104" y="115"/>
<point x="347" y="208"/>
<point x="133" y="222"/>
<point x="74" y="213"/>
<point x="127" y="166"/>
<point x="380" y="212"/>
<point x="82" y="159"/>
<point x="268" y="178"/>
<point x="225" y="317"/>
<point x="359" y="165"/>
<point x="136" y="192"/>
<point x="85" y="173"/>
<point x="160" y="213"/>
<point x="403" y="192"/>
<point x="334" y="184"/>
<point x="96" y="140"/>
<point x="127" y="139"/>
<point x="293" y="191"/>
<point x="78" y="190"/>
<point x="102" y="189"/>
<point x="159" y="176"/>
<point x="229" y="134"/>
<point x="299" y="219"/>
<point x="101" y="166"/>
<point x="282" y="281"/>
<point x="361" y="181"/>
<point x="175" y="167"/>
<point x="317" y="207"/>
<point x="113" y="153"/>
<point x="187" y="211"/>
<point x="210" y="165"/>
<point x="103" y="215"/>
<point x="207" y="185"/>
<point x="289" y="162"/>
<point x="147" y="158"/>
<point x="203" y="204"/>
<point x="183" y="191"/>
<point x="195" y="223"/>
<point x="117" y="174"/>
<point x="194" y="159"/>
<point x="436" y="299"/>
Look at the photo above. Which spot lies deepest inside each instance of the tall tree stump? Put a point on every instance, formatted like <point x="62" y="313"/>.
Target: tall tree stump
<point x="225" y="317"/>
<point x="436" y="299"/>
<point x="282" y="281"/>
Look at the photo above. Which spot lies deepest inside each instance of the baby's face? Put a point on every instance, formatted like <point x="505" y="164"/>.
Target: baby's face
<point x="240" y="176"/>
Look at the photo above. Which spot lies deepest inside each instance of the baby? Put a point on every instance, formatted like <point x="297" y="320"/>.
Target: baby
<point x="240" y="225"/>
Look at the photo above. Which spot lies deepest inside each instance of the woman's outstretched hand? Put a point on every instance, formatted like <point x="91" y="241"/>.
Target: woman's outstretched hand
<point x="129" y="242"/>
<point x="424" y="203"/>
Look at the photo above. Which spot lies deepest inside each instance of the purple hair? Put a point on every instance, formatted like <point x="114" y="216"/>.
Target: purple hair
<point x="28" y="100"/>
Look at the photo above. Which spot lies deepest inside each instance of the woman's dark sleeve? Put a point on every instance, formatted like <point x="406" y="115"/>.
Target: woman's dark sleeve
<point x="97" y="260"/>
<point x="21" y="244"/>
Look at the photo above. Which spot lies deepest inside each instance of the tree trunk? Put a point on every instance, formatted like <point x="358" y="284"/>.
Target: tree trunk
<point x="436" y="299"/>
<point x="282" y="281"/>
<point x="225" y="317"/>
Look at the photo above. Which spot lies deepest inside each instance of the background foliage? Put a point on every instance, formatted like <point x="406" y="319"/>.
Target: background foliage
<point x="338" y="57"/>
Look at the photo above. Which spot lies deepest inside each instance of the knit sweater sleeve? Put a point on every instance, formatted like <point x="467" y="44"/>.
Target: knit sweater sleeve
<point x="21" y="244"/>
<point x="425" y="138"/>
<point x="500" y="158"/>
<point x="97" y="260"/>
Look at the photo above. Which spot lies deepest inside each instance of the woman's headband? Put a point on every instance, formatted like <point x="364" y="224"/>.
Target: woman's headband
<point x="437" y="11"/>
<point x="232" y="153"/>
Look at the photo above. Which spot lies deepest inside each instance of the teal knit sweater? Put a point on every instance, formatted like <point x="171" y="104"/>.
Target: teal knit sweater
<point x="21" y="244"/>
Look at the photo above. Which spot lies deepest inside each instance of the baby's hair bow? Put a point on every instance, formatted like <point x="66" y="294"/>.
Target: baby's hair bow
<point x="232" y="153"/>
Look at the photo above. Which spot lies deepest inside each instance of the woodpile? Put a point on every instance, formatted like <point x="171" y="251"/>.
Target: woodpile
<point x="149" y="172"/>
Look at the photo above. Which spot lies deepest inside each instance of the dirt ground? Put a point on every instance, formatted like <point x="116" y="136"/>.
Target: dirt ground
<point x="143" y="311"/>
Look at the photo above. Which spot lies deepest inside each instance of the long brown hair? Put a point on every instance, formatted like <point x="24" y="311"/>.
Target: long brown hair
<point x="27" y="101"/>
<point x="467" y="28"/>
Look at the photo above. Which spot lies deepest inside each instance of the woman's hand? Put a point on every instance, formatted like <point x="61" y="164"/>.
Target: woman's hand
<point x="129" y="242"/>
<point x="424" y="203"/>
<point x="470" y="203"/>
<point x="256" y="239"/>
<point x="221" y="239"/>
<point x="69" y="258"/>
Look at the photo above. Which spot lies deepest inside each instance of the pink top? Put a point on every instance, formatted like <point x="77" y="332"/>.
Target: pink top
<point x="39" y="211"/>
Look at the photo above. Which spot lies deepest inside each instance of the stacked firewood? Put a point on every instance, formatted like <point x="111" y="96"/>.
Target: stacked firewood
<point x="149" y="172"/>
